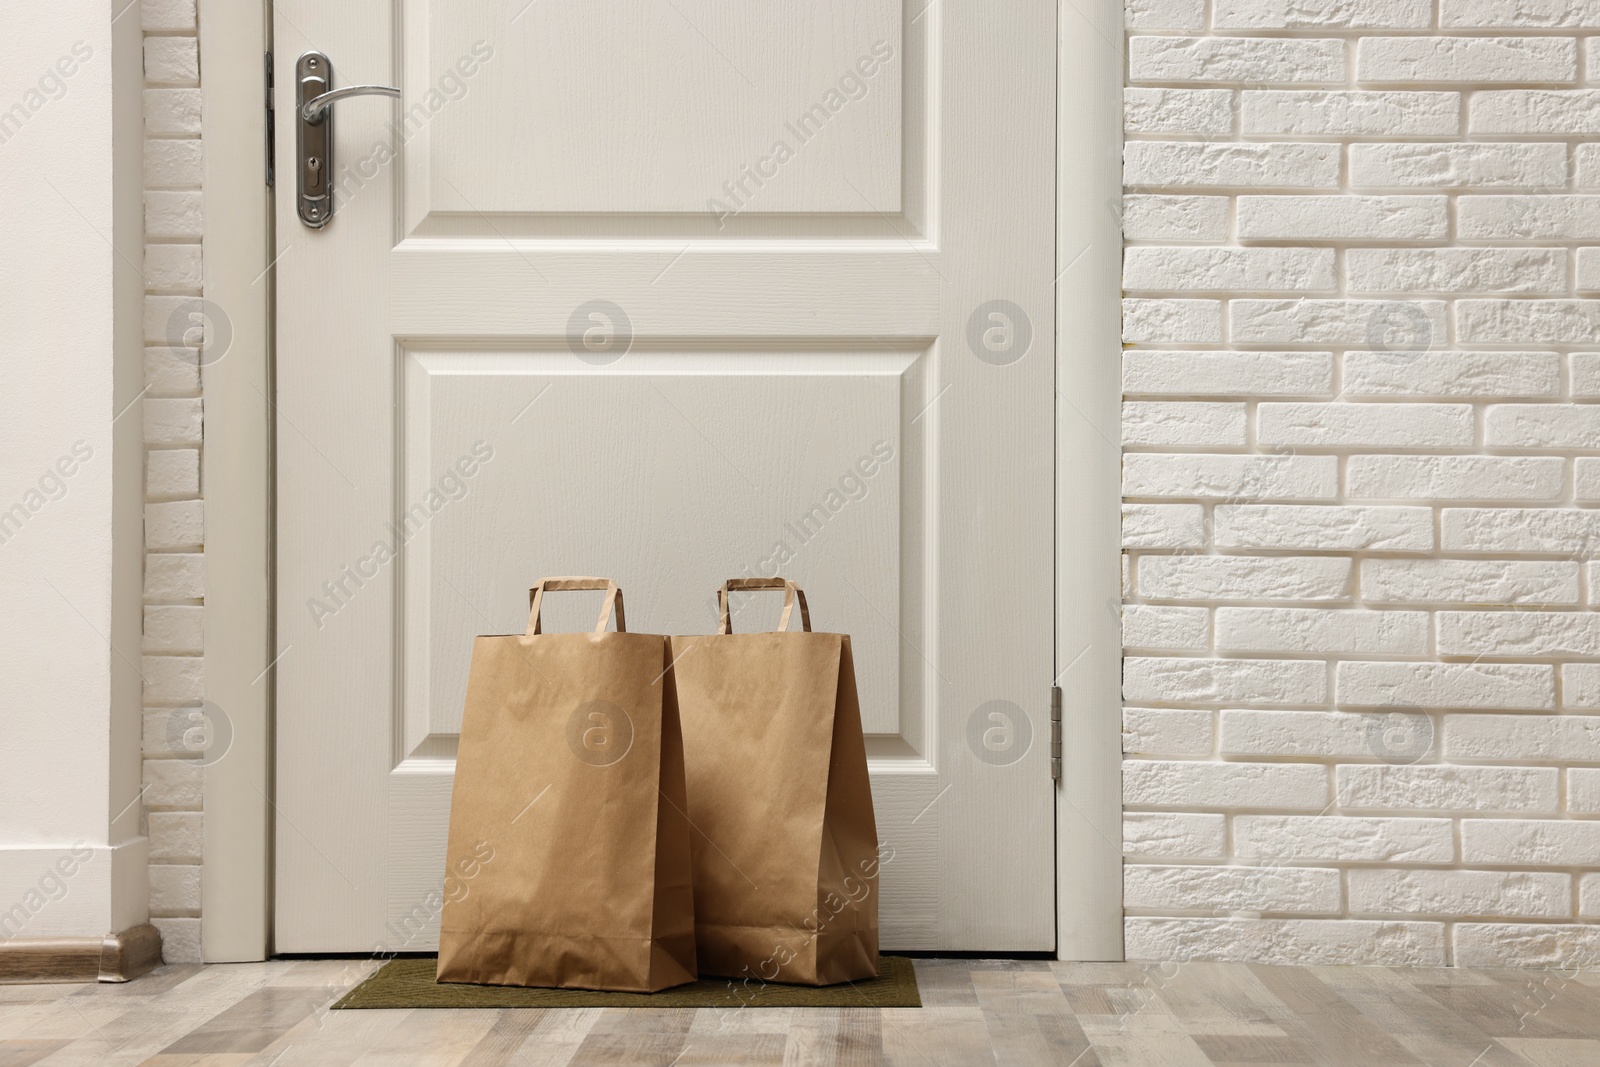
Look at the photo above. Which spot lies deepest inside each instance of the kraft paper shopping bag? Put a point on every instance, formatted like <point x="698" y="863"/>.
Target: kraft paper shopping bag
<point x="570" y="774"/>
<point x="784" y="840"/>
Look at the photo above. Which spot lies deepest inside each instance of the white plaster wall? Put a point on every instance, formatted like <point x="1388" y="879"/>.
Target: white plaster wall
<point x="72" y="861"/>
<point x="1362" y="458"/>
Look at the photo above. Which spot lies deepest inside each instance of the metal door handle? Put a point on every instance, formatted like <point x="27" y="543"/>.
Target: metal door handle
<point x="313" y="111"/>
<point x="314" y="98"/>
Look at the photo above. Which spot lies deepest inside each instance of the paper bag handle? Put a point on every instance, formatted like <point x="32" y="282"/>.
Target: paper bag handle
<point x="791" y="593"/>
<point x="557" y="585"/>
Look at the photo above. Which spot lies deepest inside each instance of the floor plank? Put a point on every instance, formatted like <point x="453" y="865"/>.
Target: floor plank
<point x="1022" y="1012"/>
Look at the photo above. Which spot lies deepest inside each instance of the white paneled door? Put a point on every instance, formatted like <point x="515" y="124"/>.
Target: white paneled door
<point x="670" y="291"/>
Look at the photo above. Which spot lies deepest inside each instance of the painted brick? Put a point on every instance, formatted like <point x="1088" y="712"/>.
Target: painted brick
<point x="1589" y="896"/>
<point x="1585" y="375"/>
<point x="1331" y="838"/>
<point x="1564" y="426"/>
<point x="1480" y="116"/>
<point x="174" y="887"/>
<point x="1259" y="60"/>
<point x="1325" y="528"/>
<point x="1446" y="685"/>
<point x="1166" y="732"/>
<point x="1574" y="322"/>
<point x="172" y="267"/>
<point x="170" y="163"/>
<point x="1441" y="788"/>
<point x="1171" y="321"/>
<point x="1570" y="738"/>
<point x="170" y="213"/>
<point x="1173" y="835"/>
<point x="1164" y="14"/>
<point x="171" y="472"/>
<point x="1467" y="59"/>
<point x="1519" y="530"/>
<point x="1223" y="476"/>
<point x="1586" y="479"/>
<point x="1519" y="633"/>
<point x="1224" y="681"/>
<point x="175" y="836"/>
<point x="1150" y="217"/>
<point x="173" y="784"/>
<point x="166" y="732"/>
<point x="1363" y="735"/>
<point x="1456" y="270"/>
<point x="1348" y="113"/>
<point x="1583" y="795"/>
<point x="1457" y="894"/>
<point x="1329" y="14"/>
<point x="1396" y="328"/>
<point x="1518" y="14"/>
<point x="1231" y="373"/>
<point x="172" y="60"/>
<point x="1201" y="163"/>
<point x="1220" y="578"/>
<point x="1229" y="888"/>
<point x="172" y="112"/>
<point x="1320" y="630"/>
<point x="1168" y="628"/>
<point x="1293" y="942"/>
<point x="1529" y="218"/>
<point x="1530" y="842"/>
<point x="1195" y="112"/>
<point x="174" y="576"/>
<point x="180" y="938"/>
<point x="1552" y="112"/>
<point x="1343" y="217"/>
<point x="1147" y="423"/>
<point x="1481" y="165"/>
<point x="1561" y="945"/>
<point x="170" y="373"/>
<point x="168" y="15"/>
<point x="1459" y="581"/>
<point x="172" y="422"/>
<point x="1203" y="784"/>
<point x="1163" y="526"/>
<point x="173" y="525"/>
<point x="1455" y="477"/>
<point x="173" y="679"/>
<point x="178" y="628"/>
<point x="1451" y="374"/>
<point x="1261" y="269"/>
<point x="1587" y="276"/>
<point x="1345" y="425"/>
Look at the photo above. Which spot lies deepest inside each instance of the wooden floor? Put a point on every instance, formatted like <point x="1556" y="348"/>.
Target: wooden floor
<point x="976" y="1011"/>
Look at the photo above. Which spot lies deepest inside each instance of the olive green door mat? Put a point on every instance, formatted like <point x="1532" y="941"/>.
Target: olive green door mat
<point x="409" y="983"/>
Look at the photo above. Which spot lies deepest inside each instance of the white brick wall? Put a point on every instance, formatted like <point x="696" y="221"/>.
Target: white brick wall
<point x="174" y="591"/>
<point x="1362" y="447"/>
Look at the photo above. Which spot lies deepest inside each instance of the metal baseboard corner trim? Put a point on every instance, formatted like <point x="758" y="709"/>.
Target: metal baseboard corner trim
<point x="118" y="957"/>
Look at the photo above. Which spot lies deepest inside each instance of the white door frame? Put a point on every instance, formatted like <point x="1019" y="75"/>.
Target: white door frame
<point x="239" y="650"/>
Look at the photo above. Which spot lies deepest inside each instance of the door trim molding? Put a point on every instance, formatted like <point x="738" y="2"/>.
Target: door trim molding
<point x="1089" y="478"/>
<point x="239" y="651"/>
<point x="237" y="382"/>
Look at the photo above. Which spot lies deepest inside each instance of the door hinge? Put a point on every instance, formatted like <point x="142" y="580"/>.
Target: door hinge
<point x="271" y="139"/>
<point x="1055" y="733"/>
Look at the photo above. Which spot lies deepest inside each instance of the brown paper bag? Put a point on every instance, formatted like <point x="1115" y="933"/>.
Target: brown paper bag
<point x="569" y="779"/>
<point x="780" y="807"/>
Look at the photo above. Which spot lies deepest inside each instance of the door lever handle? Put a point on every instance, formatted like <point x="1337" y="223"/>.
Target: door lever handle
<point x="314" y="100"/>
<point x="317" y="106"/>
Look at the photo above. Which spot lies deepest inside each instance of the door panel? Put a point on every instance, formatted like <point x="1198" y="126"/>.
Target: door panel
<point x="566" y="320"/>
